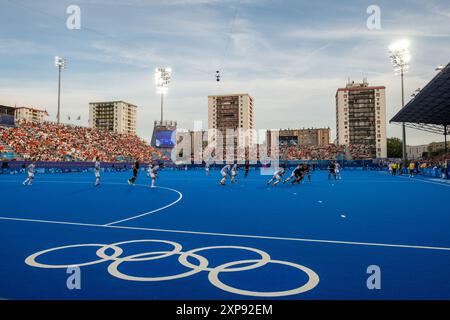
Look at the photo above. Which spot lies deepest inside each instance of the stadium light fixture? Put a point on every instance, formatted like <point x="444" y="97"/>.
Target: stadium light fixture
<point x="400" y="58"/>
<point x="163" y="76"/>
<point x="439" y="68"/>
<point x="60" y="63"/>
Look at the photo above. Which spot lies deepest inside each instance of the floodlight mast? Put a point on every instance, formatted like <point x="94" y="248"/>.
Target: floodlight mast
<point x="60" y="63"/>
<point x="162" y="81"/>
<point x="400" y="58"/>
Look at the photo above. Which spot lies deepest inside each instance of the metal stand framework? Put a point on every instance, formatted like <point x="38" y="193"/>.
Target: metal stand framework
<point x="429" y="110"/>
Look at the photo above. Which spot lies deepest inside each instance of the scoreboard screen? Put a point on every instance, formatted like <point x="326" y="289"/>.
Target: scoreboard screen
<point x="165" y="139"/>
<point x="288" y="140"/>
<point x="6" y="120"/>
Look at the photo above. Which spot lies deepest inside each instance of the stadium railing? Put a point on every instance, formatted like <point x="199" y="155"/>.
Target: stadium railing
<point x="435" y="172"/>
<point x="319" y="164"/>
<point x="11" y="167"/>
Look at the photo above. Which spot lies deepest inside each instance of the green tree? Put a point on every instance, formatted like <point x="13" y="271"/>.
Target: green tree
<point x="394" y="148"/>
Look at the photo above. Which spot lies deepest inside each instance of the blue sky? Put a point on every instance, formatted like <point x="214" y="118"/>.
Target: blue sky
<point x="290" y="55"/>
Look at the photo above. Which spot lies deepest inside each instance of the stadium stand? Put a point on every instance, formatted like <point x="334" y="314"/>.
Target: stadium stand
<point x="359" y="151"/>
<point x="54" y="142"/>
<point x="6" y="151"/>
<point x="328" y="152"/>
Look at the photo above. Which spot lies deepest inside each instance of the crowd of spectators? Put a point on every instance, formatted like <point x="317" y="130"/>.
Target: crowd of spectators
<point x="301" y="152"/>
<point x="360" y="151"/>
<point x="430" y="164"/>
<point x="57" y="142"/>
<point x="331" y="151"/>
<point x="424" y="167"/>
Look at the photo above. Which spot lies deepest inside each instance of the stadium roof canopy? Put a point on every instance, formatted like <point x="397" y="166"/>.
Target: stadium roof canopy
<point x="429" y="110"/>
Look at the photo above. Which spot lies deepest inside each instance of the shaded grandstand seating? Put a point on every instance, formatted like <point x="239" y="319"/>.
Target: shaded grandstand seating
<point x="311" y="152"/>
<point x="331" y="151"/>
<point x="360" y="151"/>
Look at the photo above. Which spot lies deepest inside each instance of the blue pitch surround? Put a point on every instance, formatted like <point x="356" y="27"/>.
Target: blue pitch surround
<point x="313" y="241"/>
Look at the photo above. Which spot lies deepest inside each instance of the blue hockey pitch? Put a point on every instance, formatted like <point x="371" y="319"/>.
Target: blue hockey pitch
<point x="191" y="238"/>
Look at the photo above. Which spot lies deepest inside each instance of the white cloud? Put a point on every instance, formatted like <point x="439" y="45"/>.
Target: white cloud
<point x="335" y="34"/>
<point x="19" y="47"/>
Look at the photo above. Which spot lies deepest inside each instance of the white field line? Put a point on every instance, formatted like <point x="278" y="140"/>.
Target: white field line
<point x="372" y="244"/>
<point x="180" y="196"/>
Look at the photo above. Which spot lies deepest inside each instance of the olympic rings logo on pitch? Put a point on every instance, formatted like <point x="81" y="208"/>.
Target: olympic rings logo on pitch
<point x="116" y="259"/>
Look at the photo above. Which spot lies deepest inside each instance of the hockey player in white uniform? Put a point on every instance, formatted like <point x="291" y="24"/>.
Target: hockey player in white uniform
<point x="337" y="171"/>
<point x="225" y="172"/>
<point x="234" y="170"/>
<point x="31" y="170"/>
<point x="279" y="173"/>
<point x="97" y="171"/>
<point x="153" y="172"/>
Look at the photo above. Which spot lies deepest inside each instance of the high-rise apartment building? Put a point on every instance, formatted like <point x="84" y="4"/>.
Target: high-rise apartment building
<point x="116" y="116"/>
<point x="361" y="117"/>
<point x="231" y="112"/>
<point x="301" y="137"/>
<point x="30" y="114"/>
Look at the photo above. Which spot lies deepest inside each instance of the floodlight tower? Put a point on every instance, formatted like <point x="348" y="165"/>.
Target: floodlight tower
<point x="61" y="64"/>
<point x="400" y="58"/>
<point x="162" y="80"/>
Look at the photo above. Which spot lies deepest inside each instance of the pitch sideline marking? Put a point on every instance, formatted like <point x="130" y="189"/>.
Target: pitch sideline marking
<point x="444" y="184"/>
<point x="373" y="244"/>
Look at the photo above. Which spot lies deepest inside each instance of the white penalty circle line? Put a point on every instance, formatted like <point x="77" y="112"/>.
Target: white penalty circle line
<point x="180" y="196"/>
<point x="371" y="244"/>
